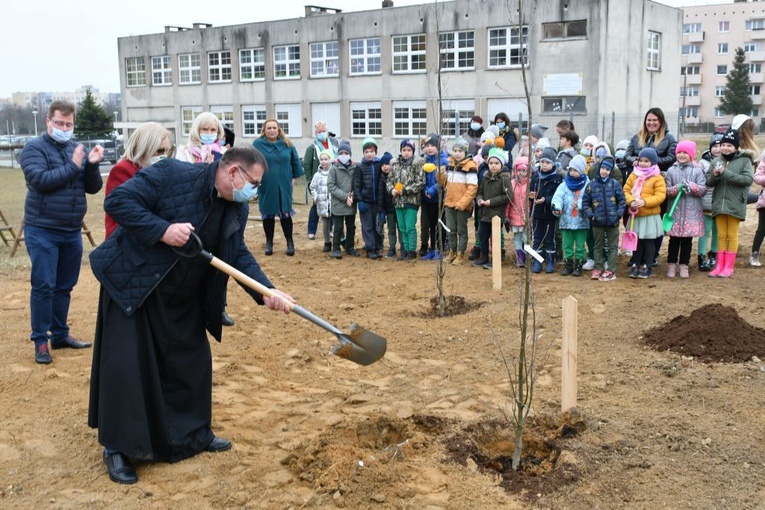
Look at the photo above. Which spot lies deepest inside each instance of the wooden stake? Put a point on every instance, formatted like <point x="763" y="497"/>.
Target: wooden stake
<point x="568" y="354"/>
<point x="496" y="253"/>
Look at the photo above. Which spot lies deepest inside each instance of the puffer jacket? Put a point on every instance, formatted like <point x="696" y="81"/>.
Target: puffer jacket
<point x="365" y="181"/>
<point x="731" y="186"/>
<point x="654" y="192"/>
<point x="496" y="189"/>
<point x="320" y="193"/>
<point x="461" y="183"/>
<point x="132" y="261"/>
<point x="430" y="191"/>
<point x="706" y="201"/>
<point x="56" y="187"/>
<point x="544" y="188"/>
<point x="604" y="202"/>
<point x="518" y="206"/>
<point x="384" y="198"/>
<point x="340" y="185"/>
<point x="759" y="178"/>
<point x="409" y="173"/>
<point x="564" y="158"/>
<point x="569" y="203"/>
<point x="689" y="213"/>
<point x="665" y="149"/>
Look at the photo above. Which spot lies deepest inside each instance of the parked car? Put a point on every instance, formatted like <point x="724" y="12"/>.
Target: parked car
<point x="111" y="151"/>
<point x="722" y="128"/>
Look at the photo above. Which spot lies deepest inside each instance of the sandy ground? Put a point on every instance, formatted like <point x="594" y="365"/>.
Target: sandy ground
<point x="311" y="430"/>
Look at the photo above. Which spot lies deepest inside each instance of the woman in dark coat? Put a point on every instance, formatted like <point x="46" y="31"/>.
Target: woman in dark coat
<point x="275" y="192"/>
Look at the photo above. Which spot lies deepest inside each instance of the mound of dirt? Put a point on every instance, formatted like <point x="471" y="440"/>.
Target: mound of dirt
<point x="712" y="333"/>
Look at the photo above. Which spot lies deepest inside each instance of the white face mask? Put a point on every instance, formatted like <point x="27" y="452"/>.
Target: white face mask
<point x="156" y="159"/>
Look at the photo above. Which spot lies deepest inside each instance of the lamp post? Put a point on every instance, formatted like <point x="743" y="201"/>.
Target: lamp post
<point x="34" y="115"/>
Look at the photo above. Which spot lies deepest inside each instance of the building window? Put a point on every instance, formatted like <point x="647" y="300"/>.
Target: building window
<point x="690" y="111"/>
<point x="409" y="118"/>
<point x="135" y="71"/>
<point x="755" y="113"/>
<point x="253" y="118"/>
<point x="689" y="91"/>
<point x="691" y="48"/>
<point x="408" y="53"/>
<point x="219" y="66"/>
<point x="722" y="48"/>
<point x="723" y="26"/>
<point x="365" y="56"/>
<point x="690" y="28"/>
<point x="755" y="24"/>
<point x="574" y="104"/>
<point x="654" y="51"/>
<point x="161" y="74"/>
<point x="289" y="119"/>
<point x="225" y="114"/>
<point x="457" y="50"/>
<point x="719" y="91"/>
<point x="754" y="90"/>
<point x="755" y="68"/>
<point x="751" y="46"/>
<point x="286" y="62"/>
<point x="564" y="29"/>
<point x="690" y="70"/>
<point x="506" y="45"/>
<point x="722" y="70"/>
<point x="188" y="114"/>
<point x="252" y="64"/>
<point x="366" y="119"/>
<point x="455" y="117"/>
<point x="189" y="68"/>
<point x="325" y="58"/>
<point x="719" y="113"/>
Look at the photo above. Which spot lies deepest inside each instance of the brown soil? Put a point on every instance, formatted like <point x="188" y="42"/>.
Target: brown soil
<point x="424" y="427"/>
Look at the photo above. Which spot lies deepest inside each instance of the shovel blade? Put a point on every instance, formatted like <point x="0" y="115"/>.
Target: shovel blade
<point x="666" y="222"/>
<point x="361" y="346"/>
<point x="629" y="241"/>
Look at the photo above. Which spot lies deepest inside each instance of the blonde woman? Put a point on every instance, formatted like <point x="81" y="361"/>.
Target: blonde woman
<point x="206" y="139"/>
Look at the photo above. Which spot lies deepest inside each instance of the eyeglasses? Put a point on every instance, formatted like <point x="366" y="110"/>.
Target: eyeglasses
<point x="254" y="183"/>
<point x="161" y="151"/>
<point x="61" y="124"/>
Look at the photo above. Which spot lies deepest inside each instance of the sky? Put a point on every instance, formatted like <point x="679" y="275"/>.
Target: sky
<point x="54" y="46"/>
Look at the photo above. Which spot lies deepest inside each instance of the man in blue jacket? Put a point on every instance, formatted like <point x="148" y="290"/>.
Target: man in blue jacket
<point x="59" y="172"/>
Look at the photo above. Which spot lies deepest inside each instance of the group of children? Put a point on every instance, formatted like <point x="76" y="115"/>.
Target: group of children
<point x="580" y="197"/>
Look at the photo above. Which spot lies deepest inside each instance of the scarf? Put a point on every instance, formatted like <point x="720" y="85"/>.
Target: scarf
<point x="200" y="152"/>
<point x="547" y="175"/>
<point x="643" y="174"/>
<point x="575" y="184"/>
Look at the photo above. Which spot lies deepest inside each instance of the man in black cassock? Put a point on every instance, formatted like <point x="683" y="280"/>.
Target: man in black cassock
<point x="151" y="381"/>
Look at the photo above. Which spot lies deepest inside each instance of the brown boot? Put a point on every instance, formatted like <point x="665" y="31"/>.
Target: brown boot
<point x="459" y="259"/>
<point x="450" y="256"/>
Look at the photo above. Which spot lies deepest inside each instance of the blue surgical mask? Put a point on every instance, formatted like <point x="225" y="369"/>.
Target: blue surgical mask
<point x="60" y="135"/>
<point x="248" y="191"/>
<point x="208" y="139"/>
<point x="585" y="152"/>
<point x="500" y="125"/>
<point x="322" y="137"/>
<point x="344" y="158"/>
<point x="475" y="126"/>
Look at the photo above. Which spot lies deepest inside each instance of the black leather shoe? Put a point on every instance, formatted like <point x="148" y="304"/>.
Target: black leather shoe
<point x="218" y="444"/>
<point x="120" y="469"/>
<point x="269" y="248"/>
<point x="42" y="354"/>
<point x="290" y="248"/>
<point x="69" y="342"/>
<point x="226" y="320"/>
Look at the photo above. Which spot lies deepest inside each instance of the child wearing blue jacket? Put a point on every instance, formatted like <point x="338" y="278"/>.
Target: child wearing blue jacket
<point x="542" y="188"/>
<point x="429" y="215"/>
<point x="574" y="225"/>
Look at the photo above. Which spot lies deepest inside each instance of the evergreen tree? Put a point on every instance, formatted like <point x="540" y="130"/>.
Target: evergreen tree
<point x="737" y="89"/>
<point x="91" y="120"/>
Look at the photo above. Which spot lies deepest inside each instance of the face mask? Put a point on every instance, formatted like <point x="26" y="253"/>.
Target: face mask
<point x="585" y="152"/>
<point x="156" y="159"/>
<point x="248" y="191"/>
<point x="61" y="136"/>
<point x="208" y="139"/>
<point x="475" y="126"/>
<point x="500" y="125"/>
<point x="620" y="154"/>
<point x="322" y="137"/>
<point x="344" y="158"/>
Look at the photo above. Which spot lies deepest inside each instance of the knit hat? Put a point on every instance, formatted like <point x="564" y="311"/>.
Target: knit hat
<point x="607" y="163"/>
<point x="493" y="130"/>
<point x="521" y="162"/>
<point x="385" y="158"/>
<point x="538" y="130"/>
<point x="368" y="142"/>
<point x="592" y="139"/>
<point x="487" y="136"/>
<point x="731" y="137"/>
<point x="543" y="143"/>
<point x="328" y="153"/>
<point x="738" y="121"/>
<point x="623" y="145"/>
<point x="549" y="154"/>
<point x="688" y="147"/>
<point x="650" y="154"/>
<point x="406" y="142"/>
<point x="431" y="139"/>
<point x="499" y="142"/>
<point x="578" y="163"/>
<point x="344" y="146"/>
<point x="500" y="154"/>
<point x="716" y="138"/>
<point x="461" y="144"/>
<point x="485" y="150"/>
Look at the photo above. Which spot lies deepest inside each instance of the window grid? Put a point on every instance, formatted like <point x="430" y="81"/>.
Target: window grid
<point x="719" y="91"/>
<point x="188" y="114"/>
<point x="564" y="29"/>
<point x="722" y="70"/>
<point x="219" y="66"/>
<point x="409" y="120"/>
<point x="691" y="111"/>
<point x="506" y="46"/>
<point x="457" y="50"/>
<point x="283" y="119"/>
<point x="755" y="68"/>
<point x="253" y="118"/>
<point x="225" y="114"/>
<point x="366" y="119"/>
<point x="723" y="26"/>
<point x="189" y="68"/>
<point x="286" y="62"/>
<point x="365" y="56"/>
<point x="722" y="48"/>
<point x="654" y="51"/>
<point x="161" y="74"/>
<point x="135" y="71"/>
<point x="325" y="59"/>
<point x="751" y="46"/>
<point x="408" y="53"/>
<point x="689" y="28"/>
<point x="252" y="64"/>
<point x="691" y="48"/>
<point x="690" y="70"/>
<point x="719" y="113"/>
<point x="454" y="122"/>
<point x="755" y="24"/>
<point x="754" y="90"/>
<point x="755" y="113"/>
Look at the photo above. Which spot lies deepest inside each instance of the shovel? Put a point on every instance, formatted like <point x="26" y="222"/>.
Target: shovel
<point x="630" y="238"/>
<point x="360" y="346"/>
<point x="667" y="221"/>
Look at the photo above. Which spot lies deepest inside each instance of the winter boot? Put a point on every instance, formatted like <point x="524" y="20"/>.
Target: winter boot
<point x="719" y="264"/>
<point x="568" y="267"/>
<point x="550" y="259"/>
<point x="520" y="258"/>
<point x="754" y="259"/>
<point x="730" y="261"/>
<point x="578" y="264"/>
<point x="475" y="253"/>
<point x="536" y="267"/>
<point x="704" y="264"/>
<point x="290" y="247"/>
<point x="403" y="255"/>
<point x="459" y="259"/>
<point x="684" y="271"/>
<point x="412" y="255"/>
<point x="327" y="247"/>
<point x="391" y="253"/>
<point x="450" y="256"/>
<point x="671" y="270"/>
<point x="423" y="250"/>
<point x="712" y="259"/>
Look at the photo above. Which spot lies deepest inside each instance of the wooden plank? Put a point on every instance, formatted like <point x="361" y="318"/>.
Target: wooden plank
<point x="496" y="253"/>
<point x="569" y="354"/>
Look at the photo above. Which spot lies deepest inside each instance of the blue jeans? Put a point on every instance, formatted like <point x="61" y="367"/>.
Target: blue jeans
<point x="56" y="259"/>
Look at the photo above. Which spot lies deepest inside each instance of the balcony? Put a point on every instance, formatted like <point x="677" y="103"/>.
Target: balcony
<point x="757" y="35"/>
<point x="691" y="101"/>
<point x="757" y="78"/>
<point x="756" y="56"/>
<point x="693" y="79"/>
<point x="757" y="100"/>
<point x="694" y="37"/>
<point x="695" y="58"/>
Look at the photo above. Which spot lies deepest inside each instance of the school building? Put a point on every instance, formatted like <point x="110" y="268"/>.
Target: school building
<point x="376" y="73"/>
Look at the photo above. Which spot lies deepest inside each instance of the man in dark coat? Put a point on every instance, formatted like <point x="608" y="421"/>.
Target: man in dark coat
<point x="151" y="380"/>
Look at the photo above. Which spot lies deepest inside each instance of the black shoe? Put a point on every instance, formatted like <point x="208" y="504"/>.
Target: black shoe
<point x="475" y="253"/>
<point x="226" y="320"/>
<point x="42" y="354"/>
<point x="336" y="254"/>
<point x="269" y="247"/>
<point x="423" y="250"/>
<point x="69" y="343"/>
<point x="353" y="253"/>
<point x="391" y="254"/>
<point x="488" y="265"/>
<point x="480" y="262"/>
<point x="290" y="248"/>
<point x="634" y="270"/>
<point x="568" y="267"/>
<point x="704" y="264"/>
<point x="218" y="444"/>
<point x="120" y="469"/>
<point x="644" y="272"/>
<point x="577" y="268"/>
<point x="412" y="255"/>
<point x="327" y="247"/>
<point x="371" y="254"/>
